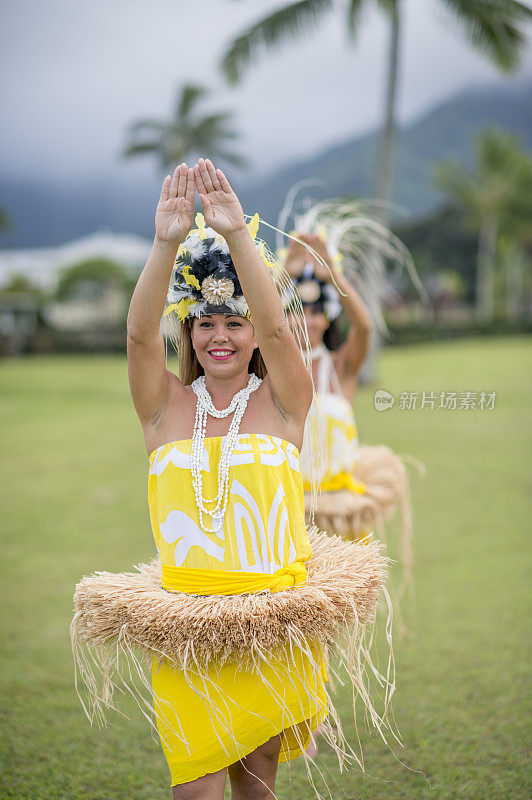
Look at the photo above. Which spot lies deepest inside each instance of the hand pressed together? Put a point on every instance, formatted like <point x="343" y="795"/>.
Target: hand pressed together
<point x="298" y="256"/>
<point x="221" y="206"/>
<point x="320" y="247"/>
<point x="175" y="210"/>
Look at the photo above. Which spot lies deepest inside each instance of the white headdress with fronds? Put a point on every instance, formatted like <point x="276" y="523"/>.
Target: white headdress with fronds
<point x="360" y="244"/>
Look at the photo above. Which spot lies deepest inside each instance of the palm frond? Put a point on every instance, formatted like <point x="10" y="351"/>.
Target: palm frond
<point x="207" y="135"/>
<point x="388" y="6"/>
<point x="495" y="27"/>
<point x="186" y="135"/>
<point x="140" y="148"/>
<point x="355" y="9"/>
<point x="287" y="23"/>
<point x="353" y="16"/>
<point x="217" y="121"/>
<point x="205" y="139"/>
<point x="188" y="97"/>
<point x="497" y="150"/>
<point x="461" y="186"/>
<point x="500" y="184"/>
<point x="147" y="125"/>
<point x="453" y="178"/>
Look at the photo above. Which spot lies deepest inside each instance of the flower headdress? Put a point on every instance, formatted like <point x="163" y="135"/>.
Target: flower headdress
<point x="360" y="244"/>
<point x="309" y="288"/>
<point x="318" y="294"/>
<point x="204" y="280"/>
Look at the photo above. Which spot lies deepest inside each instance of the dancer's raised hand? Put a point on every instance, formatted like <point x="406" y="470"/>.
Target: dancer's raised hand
<point x="221" y="206"/>
<point x="296" y="258"/>
<point x="320" y="247"/>
<point x="175" y="210"/>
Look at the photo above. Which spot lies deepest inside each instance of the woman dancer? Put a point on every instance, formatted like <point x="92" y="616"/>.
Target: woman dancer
<point x="359" y="486"/>
<point x="226" y="507"/>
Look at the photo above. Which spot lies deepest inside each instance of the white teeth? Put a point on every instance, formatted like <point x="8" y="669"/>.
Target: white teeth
<point x="221" y="352"/>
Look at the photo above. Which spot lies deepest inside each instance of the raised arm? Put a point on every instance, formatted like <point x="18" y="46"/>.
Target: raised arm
<point x="290" y="382"/>
<point x="351" y="355"/>
<point x="149" y="379"/>
<point x="296" y="258"/>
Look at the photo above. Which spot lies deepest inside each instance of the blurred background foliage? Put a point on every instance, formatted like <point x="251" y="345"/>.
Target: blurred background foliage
<point x="187" y="135"/>
<point x="462" y="172"/>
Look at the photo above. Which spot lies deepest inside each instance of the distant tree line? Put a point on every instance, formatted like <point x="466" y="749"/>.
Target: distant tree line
<point x="484" y="233"/>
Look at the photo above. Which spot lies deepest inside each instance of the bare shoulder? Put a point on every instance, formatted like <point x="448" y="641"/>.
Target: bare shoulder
<point x="176" y="418"/>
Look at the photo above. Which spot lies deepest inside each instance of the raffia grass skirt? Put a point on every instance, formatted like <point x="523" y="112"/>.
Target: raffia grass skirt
<point x="220" y="675"/>
<point x="352" y="514"/>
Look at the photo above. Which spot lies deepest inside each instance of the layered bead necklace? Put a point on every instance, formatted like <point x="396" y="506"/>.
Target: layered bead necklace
<point x="204" y="408"/>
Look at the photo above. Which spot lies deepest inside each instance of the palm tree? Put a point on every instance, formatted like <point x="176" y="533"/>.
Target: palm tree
<point x="497" y="199"/>
<point x="186" y="135"/>
<point x="492" y="26"/>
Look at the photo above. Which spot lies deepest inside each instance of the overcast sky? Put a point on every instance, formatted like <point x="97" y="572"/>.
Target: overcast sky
<point x="74" y="75"/>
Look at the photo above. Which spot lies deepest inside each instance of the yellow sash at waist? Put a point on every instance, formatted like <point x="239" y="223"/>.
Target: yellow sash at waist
<point x="218" y="581"/>
<point x="339" y="482"/>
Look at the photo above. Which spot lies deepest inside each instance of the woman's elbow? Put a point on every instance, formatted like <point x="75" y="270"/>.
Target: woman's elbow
<point x="135" y="336"/>
<point x="365" y="327"/>
<point x="132" y="334"/>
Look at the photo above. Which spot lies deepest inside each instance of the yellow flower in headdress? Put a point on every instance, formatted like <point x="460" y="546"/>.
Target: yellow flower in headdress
<point x="190" y="279"/>
<point x="204" y="275"/>
<point x="253" y="226"/>
<point x="265" y="257"/>
<point x="181" y="308"/>
<point x="200" y="225"/>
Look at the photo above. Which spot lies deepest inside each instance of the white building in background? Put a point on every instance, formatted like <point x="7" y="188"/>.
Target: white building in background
<point x="43" y="265"/>
<point x="92" y="324"/>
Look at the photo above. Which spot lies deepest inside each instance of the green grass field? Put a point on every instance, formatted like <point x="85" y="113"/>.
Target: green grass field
<point x="73" y="484"/>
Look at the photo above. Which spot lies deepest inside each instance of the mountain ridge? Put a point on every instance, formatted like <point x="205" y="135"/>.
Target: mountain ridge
<point x="44" y="214"/>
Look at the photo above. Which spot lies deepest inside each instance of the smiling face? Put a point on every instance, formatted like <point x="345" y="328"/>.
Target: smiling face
<point x="317" y="324"/>
<point x="223" y="344"/>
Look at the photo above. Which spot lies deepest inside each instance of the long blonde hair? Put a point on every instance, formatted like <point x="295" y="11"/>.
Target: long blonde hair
<point x="189" y="366"/>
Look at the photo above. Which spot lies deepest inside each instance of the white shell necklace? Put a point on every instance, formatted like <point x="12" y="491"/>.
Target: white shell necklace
<point x="204" y="407"/>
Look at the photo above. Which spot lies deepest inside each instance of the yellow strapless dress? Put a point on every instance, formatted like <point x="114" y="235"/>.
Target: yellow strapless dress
<point x="210" y="720"/>
<point x="331" y="433"/>
<point x="331" y="437"/>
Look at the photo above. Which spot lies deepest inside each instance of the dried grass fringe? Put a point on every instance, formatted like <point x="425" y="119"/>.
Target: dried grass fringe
<point x="387" y="488"/>
<point x="122" y="620"/>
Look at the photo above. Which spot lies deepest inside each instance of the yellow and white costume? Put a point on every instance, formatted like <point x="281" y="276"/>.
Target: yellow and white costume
<point x="264" y="546"/>
<point x="329" y="460"/>
<point x="230" y="634"/>
<point x="230" y="628"/>
<point x="359" y="486"/>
